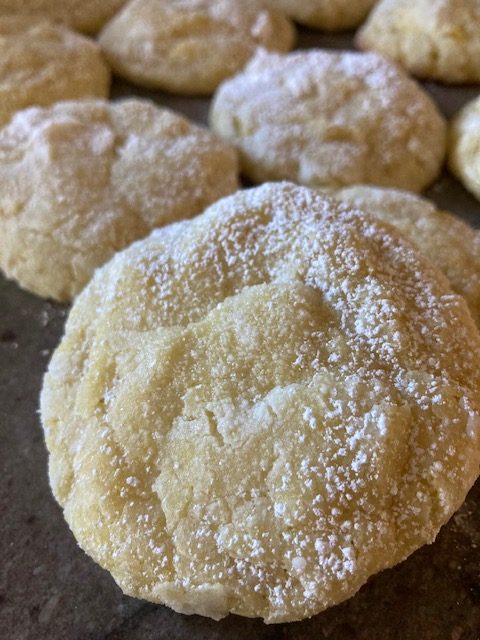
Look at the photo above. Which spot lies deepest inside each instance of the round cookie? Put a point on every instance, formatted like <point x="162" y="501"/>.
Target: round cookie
<point x="464" y="146"/>
<point x="256" y="410"/>
<point x="87" y="16"/>
<point x="329" y="15"/>
<point x="81" y="180"/>
<point x="43" y="62"/>
<point x="449" y="242"/>
<point x="190" y="46"/>
<point x="436" y="39"/>
<point x="324" y="118"/>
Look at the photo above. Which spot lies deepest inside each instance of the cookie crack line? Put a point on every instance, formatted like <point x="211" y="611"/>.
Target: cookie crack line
<point x="109" y="174"/>
<point x="267" y="111"/>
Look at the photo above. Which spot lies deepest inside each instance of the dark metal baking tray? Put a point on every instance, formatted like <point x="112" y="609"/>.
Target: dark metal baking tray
<point x="49" y="589"/>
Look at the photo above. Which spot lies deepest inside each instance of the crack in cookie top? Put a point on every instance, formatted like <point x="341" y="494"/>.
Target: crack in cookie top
<point x="256" y="410"/>
<point x="329" y="119"/>
<point x="83" y="179"/>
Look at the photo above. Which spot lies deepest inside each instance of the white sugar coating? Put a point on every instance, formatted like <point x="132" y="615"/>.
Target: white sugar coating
<point x="86" y="16"/>
<point x="437" y="39"/>
<point x="329" y="15"/>
<point x="464" y="146"/>
<point x="43" y="62"/>
<point x="449" y="242"/>
<point x="325" y="118"/>
<point x="274" y="477"/>
<point x="81" y="180"/>
<point x="190" y="46"/>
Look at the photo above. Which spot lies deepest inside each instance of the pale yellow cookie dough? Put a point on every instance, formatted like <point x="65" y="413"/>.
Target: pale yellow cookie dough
<point x="190" y="46"/>
<point x="87" y="16"/>
<point x="449" y="242"/>
<point x="437" y="39"/>
<point x="42" y="63"/>
<point x="464" y="146"/>
<point x="329" y="15"/>
<point x="325" y="118"/>
<point x="256" y="410"/>
<point x="81" y="180"/>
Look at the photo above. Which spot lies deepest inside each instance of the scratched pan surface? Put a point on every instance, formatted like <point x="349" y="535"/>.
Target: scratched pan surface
<point x="49" y="589"/>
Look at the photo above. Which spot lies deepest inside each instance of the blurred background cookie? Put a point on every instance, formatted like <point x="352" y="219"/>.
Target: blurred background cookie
<point x="80" y="180"/>
<point x="437" y="39"/>
<point x="464" y="146"/>
<point x="87" y="16"/>
<point x="324" y="118"/>
<point x="42" y="62"/>
<point x="256" y="410"/>
<point x="190" y="46"/>
<point x="449" y="242"/>
<point x="328" y="15"/>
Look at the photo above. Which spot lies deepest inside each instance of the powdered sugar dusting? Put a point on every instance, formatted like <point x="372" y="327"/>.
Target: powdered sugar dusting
<point x="85" y="179"/>
<point x="326" y="118"/>
<point x="288" y="382"/>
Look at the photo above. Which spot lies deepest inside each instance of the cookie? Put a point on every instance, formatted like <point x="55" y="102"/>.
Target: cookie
<point x="190" y="46"/>
<point x="43" y="63"/>
<point x="464" y="146"/>
<point x="449" y="242"/>
<point x="256" y="410"/>
<point x="436" y="39"/>
<point x="81" y="180"/>
<point x="324" y="118"/>
<point x="87" y="16"/>
<point x="329" y="15"/>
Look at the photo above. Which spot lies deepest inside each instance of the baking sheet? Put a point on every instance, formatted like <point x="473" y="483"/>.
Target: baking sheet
<point x="49" y="589"/>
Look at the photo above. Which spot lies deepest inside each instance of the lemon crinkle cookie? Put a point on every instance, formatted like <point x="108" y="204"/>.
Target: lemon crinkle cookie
<point x="324" y="118"/>
<point x="437" y="39"/>
<point x="449" y="242"/>
<point x="190" y="46"/>
<point x="464" y="146"/>
<point x="43" y="62"/>
<point x="81" y="180"/>
<point x="255" y="410"/>
<point x="330" y="15"/>
<point x="86" y="16"/>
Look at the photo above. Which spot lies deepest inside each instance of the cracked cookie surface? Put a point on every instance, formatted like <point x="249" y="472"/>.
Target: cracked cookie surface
<point x="324" y="118"/>
<point x="436" y="39"/>
<point x="255" y="410"/>
<point x="82" y="180"/>
<point x="190" y="46"/>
